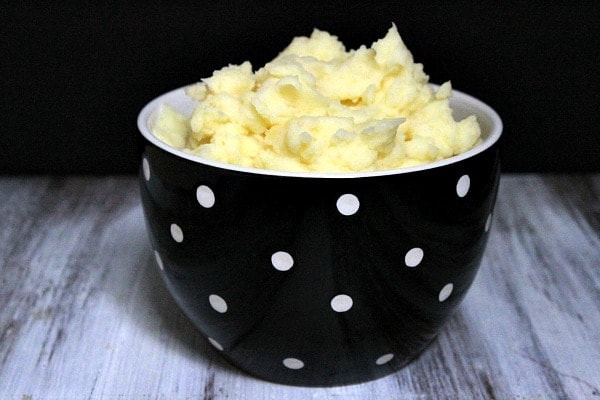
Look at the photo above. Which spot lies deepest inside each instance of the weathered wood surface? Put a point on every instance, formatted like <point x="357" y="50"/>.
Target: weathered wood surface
<point x="84" y="314"/>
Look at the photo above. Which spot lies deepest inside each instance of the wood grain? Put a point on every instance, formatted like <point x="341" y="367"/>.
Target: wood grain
<point x="84" y="313"/>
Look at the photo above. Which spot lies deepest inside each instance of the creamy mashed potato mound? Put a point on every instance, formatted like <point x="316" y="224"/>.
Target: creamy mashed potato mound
<point x="318" y="107"/>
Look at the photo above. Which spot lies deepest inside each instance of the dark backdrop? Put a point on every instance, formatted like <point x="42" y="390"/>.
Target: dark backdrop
<point x="74" y="76"/>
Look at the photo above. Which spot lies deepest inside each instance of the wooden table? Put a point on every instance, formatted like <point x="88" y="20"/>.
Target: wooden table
<point x="84" y="313"/>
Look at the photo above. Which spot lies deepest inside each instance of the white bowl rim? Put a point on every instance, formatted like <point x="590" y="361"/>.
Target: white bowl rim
<point x="477" y="105"/>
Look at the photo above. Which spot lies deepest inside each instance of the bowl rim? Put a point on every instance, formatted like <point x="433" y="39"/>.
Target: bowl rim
<point x="477" y="105"/>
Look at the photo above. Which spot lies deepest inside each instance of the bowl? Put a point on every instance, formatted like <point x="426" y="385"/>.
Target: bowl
<point x="318" y="279"/>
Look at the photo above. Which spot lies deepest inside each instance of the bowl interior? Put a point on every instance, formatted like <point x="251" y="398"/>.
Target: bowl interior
<point x="462" y="105"/>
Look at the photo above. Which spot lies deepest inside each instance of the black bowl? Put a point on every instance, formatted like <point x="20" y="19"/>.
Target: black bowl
<point x="319" y="279"/>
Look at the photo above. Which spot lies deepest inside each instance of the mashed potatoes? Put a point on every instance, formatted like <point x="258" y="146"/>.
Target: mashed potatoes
<point x="317" y="107"/>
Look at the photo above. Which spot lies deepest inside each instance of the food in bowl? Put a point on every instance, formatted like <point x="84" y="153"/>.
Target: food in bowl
<point x="317" y="278"/>
<point x="318" y="107"/>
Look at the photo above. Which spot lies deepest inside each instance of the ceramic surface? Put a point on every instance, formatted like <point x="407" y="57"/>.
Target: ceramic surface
<point x="319" y="280"/>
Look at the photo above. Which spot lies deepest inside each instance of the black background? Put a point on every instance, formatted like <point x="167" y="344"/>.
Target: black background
<point x="75" y="75"/>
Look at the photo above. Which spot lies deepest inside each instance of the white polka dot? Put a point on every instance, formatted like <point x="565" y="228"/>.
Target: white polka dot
<point x="159" y="260"/>
<point x="282" y="261"/>
<point x="445" y="292"/>
<point x="488" y="222"/>
<point x="341" y="303"/>
<point x="347" y="204"/>
<point x="293" y="363"/>
<point x="462" y="186"/>
<point x="146" y="168"/>
<point x="413" y="257"/>
<point x="217" y="303"/>
<point x="215" y="344"/>
<point x="386" y="358"/>
<point x="205" y="196"/>
<point x="176" y="233"/>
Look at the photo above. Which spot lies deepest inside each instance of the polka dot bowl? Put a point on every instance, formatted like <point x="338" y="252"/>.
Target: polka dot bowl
<point x="318" y="279"/>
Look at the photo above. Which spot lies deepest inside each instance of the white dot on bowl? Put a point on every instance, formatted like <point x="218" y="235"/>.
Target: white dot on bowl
<point x="205" y="196"/>
<point x="215" y="344"/>
<point x="159" y="260"/>
<point x="217" y="303"/>
<point x="341" y="303"/>
<point x="413" y="257"/>
<point x="347" y="204"/>
<point x="293" y="363"/>
<point x="176" y="233"/>
<point x="282" y="261"/>
<point x="462" y="186"/>
<point x="488" y="222"/>
<point x="445" y="292"/>
<point x="146" y="168"/>
<point x="384" y="359"/>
